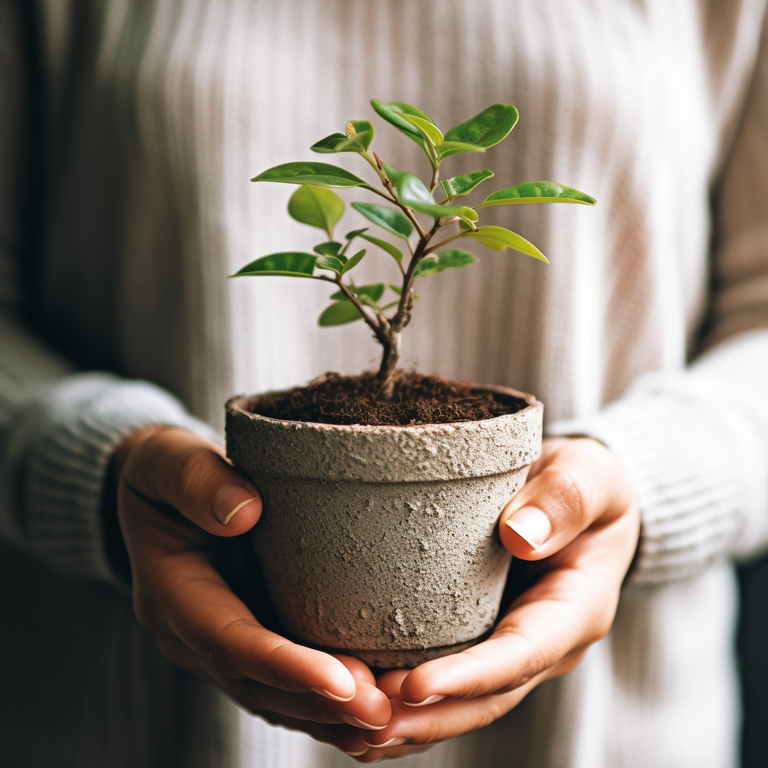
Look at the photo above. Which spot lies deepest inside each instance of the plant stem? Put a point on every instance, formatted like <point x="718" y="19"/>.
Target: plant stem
<point x="435" y="177"/>
<point x="401" y="318"/>
<point x="387" y="331"/>
<point x="388" y="367"/>
<point x="381" y="194"/>
<point x="443" y="242"/>
<point x="403" y="315"/>
<point x="375" y="325"/>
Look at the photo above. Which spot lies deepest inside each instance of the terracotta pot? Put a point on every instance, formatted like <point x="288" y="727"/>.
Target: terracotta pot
<point x="381" y="542"/>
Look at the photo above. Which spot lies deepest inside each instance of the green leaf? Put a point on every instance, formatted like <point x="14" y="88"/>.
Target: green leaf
<point x="448" y="148"/>
<point x="290" y="264"/>
<point x="487" y="128"/>
<point x="388" y="219"/>
<point x="328" y="249"/>
<point x="411" y="189"/>
<point x="339" y="313"/>
<point x="353" y="261"/>
<point x="413" y="193"/>
<point x="498" y="238"/>
<point x="337" y="142"/>
<point x="316" y="206"/>
<point x="330" y="262"/>
<point x="442" y="260"/>
<point x="392" y="173"/>
<point x="360" y="130"/>
<point x="537" y="192"/>
<point x="355" y="232"/>
<point x="461" y="185"/>
<point x="394" y="252"/>
<point x="427" y="129"/>
<point x="358" y="137"/>
<point x="393" y="112"/>
<point x="319" y="174"/>
<point x="468" y="214"/>
<point x="373" y="292"/>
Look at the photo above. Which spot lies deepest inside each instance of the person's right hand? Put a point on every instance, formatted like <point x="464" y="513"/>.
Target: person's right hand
<point x="176" y="495"/>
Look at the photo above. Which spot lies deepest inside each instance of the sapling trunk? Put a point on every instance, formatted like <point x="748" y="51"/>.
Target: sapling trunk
<point x="389" y="361"/>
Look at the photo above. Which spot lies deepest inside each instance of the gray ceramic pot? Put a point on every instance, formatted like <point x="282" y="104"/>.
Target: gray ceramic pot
<point x="381" y="542"/>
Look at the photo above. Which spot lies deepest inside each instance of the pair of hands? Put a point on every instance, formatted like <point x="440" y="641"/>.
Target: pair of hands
<point x="575" y="523"/>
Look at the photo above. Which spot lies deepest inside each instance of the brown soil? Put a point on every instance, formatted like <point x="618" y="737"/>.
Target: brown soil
<point x="417" y="399"/>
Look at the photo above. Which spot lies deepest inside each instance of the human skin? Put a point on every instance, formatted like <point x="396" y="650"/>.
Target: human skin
<point x="576" y="522"/>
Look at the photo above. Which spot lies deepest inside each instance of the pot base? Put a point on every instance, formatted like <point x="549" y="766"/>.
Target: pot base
<point x="402" y="658"/>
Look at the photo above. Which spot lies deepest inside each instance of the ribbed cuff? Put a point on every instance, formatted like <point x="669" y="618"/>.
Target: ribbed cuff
<point x="692" y="462"/>
<point x="76" y="426"/>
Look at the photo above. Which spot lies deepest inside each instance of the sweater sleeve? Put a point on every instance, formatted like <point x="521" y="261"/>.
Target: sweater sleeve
<point x="58" y="426"/>
<point x="695" y="443"/>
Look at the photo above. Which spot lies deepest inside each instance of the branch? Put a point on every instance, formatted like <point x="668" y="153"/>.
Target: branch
<point x="443" y="242"/>
<point x="381" y="194"/>
<point x="402" y="317"/>
<point x="410" y="214"/>
<point x="375" y="167"/>
<point x="377" y="327"/>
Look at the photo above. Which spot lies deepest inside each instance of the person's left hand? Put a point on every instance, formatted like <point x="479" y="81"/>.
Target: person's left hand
<point x="577" y="522"/>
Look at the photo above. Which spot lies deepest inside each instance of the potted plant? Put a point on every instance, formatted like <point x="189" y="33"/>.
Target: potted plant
<point x="382" y="491"/>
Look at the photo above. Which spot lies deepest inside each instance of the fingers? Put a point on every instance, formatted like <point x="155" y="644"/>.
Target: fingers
<point x="177" y="468"/>
<point x="512" y="657"/>
<point x="576" y="483"/>
<point x="572" y="605"/>
<point x="199" y="623"/>
<point x="442" y="720"/>
<point x="360" y="672"/>
<point x="179" y="593"/>
<point x="343" y="737"/>
<point x="446" y="719"/>
<point x="391" y="681"/>
<point x="192" y="601"/>
<point x="369" y="709"/>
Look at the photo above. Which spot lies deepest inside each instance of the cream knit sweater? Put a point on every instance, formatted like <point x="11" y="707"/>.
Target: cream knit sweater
<point x="128" y="133"/>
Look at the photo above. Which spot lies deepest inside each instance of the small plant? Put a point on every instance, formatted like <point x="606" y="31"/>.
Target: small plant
<point x="314" y="203"/>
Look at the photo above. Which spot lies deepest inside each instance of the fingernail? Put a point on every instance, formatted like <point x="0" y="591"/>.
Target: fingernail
<point x="329" y="695"/>
<point x="428" y="700"/>
<point x="358" y="723"/>
<point x="229" y="501"/>
<point x="532" y="524"/>
<point x="355" y="754"/>
<point x="396" y="742"/>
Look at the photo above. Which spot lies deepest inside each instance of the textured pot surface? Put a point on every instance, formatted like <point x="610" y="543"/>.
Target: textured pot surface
<point x="382" y="541"/>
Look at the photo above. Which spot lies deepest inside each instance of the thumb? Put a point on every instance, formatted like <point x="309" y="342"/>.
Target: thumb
<point x="177" y="468"/>
<point x="576" y="484"/>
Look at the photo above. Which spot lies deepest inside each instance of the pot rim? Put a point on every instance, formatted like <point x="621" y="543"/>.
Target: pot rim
<point x="234" y="404"/>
